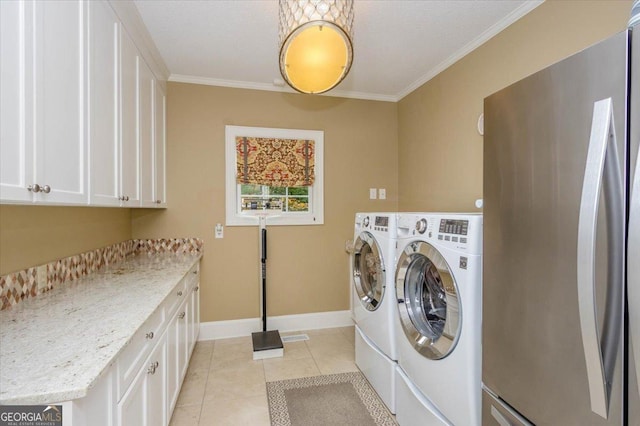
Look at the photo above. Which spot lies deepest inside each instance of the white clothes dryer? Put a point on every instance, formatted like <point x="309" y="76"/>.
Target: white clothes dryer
<point x="373" y="300"/>
<point x="439" y="310"/>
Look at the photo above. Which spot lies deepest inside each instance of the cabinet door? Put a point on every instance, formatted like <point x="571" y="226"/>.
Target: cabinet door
<point x="194" y="317"/>
<point x="144" y="403"/>
<point x="183" y="340"/>
<point x="16" y="81"/>
<point x="159" y="137"/>
<point x="60" y="150"/>
<point x="132" y="406"/>
<point x="145" y="133"/>
<point x="103" y="105"/>
<point x="173" y="376"/>
<point x="156" y="385"/>
<point x="129" y="152"/>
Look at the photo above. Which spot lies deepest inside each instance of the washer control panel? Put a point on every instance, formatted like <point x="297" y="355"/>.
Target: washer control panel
<point x="381" y="224"/>
<point x="454" y="230"/>
<point x="378" y="222"/>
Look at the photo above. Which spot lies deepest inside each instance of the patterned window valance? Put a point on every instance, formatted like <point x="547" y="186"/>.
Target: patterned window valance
<point x="274" y="162"/>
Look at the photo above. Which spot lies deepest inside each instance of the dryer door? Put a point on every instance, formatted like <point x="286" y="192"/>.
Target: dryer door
<point x="428" y="300"/>
<point x="368" y="271"/>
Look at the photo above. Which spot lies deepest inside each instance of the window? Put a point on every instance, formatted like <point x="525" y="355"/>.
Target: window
<point x="298" y="204"/>
<point x="278" y="198"/>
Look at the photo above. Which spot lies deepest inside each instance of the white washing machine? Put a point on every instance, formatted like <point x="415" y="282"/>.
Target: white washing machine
<point x="439" y="310"/>
<point x="373" y="300"/>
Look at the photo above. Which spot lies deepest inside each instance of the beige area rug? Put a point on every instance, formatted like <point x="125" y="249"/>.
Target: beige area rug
<point x="336" y="399"/>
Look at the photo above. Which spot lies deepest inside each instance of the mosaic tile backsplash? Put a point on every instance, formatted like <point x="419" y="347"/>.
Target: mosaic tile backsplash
<point x="17" y="286"/>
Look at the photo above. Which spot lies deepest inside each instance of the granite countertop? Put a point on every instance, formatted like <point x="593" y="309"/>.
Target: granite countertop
<point x="54" y="347"/>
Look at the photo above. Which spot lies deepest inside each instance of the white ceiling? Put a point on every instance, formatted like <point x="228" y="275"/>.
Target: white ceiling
<point x="398" y="45"/>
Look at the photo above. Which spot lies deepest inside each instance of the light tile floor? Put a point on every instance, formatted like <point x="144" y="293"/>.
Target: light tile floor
<point x="225" y="386"/>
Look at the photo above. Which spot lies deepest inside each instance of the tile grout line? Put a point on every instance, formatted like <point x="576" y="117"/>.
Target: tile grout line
<point x="206" y="381"/>
<point x="316" y="357"/>
<point x="315" y="362"/>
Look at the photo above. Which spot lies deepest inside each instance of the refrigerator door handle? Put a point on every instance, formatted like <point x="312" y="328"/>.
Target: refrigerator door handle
<point x="633" y="271"/>
<point x="497" y="415"/>
<point x="602" y="161"/>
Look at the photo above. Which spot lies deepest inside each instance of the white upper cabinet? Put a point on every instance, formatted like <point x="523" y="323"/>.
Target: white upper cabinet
<point x="146" y="82"/>
<point x="43" y="145"/>
<point x="129" y="153"/>
<point x="159" y="136"/>
<point x="103" y="33"/>
<point x="16" y="147"/>
<point x="81" y="113"/>
<point x="59" y="98"/>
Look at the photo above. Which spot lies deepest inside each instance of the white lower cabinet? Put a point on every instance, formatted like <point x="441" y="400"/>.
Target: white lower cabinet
<point x="181" y="338"/>
<point x="194" y="319"/>
<point x="184" y="341"/>
<point x="173" y="380"/>
<point x="142" y="385"/>
<point x="151" y="397"/>
<point x="177" y="355"/>
<point x="145" y="401"/>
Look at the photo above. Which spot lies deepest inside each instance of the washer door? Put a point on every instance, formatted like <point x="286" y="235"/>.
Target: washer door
<point x="427" y="300"/>
<point x="368" y="271"/>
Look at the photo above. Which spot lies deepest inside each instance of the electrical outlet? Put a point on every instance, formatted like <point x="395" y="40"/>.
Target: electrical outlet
<point x="382" y="194"/>
<point x="219" y="230"/>
<point x="373" y="193"/>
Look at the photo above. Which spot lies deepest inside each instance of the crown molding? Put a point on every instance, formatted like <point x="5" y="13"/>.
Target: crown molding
<point x="130" y="17"/>
<point x="180" y="78"/>
<point x="468" y="48"/>
<point x="474" y="44"/>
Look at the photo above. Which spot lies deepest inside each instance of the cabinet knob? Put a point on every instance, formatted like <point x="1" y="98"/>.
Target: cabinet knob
<point x="152" y="368"/>
<point x="181" y="316"/>
<point x="34" y="188"/>
<point x="46" y="189"/>
<point x="197" y="288"/>
<point x="180" y="293"/>
<point x="126" y="198"/>
<point x="150" y="335"/>
<point x="195" y="272"/>
<point x="158" y="201"/>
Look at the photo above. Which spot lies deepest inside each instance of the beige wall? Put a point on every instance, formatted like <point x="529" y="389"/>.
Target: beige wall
<point x="308" y="266"/>
<point x="33" y="235"/>
<point x="424" y="150"/>
<point x="440" y="150"/>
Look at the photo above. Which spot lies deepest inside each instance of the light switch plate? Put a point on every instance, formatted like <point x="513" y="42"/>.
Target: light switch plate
<point x="373" y="193"/>
<point x="219" y="230"/>
<point x="382" y="194"/>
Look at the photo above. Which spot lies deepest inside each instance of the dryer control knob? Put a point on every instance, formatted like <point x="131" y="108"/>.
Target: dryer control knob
<point x="365" y="222"/>
<point x="421" y="226"/>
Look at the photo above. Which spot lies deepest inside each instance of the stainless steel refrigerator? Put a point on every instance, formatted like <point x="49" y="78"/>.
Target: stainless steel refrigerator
<point x="562" y="242"/>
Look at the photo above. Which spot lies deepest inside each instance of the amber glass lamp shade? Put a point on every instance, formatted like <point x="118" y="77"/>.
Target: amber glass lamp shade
<point x="316" y="51"/>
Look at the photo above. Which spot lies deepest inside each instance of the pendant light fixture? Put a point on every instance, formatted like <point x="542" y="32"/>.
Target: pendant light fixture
<point x="315" y="43"/>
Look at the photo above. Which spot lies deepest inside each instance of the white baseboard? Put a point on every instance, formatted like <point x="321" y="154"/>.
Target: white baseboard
<point x="244" y="327"/>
